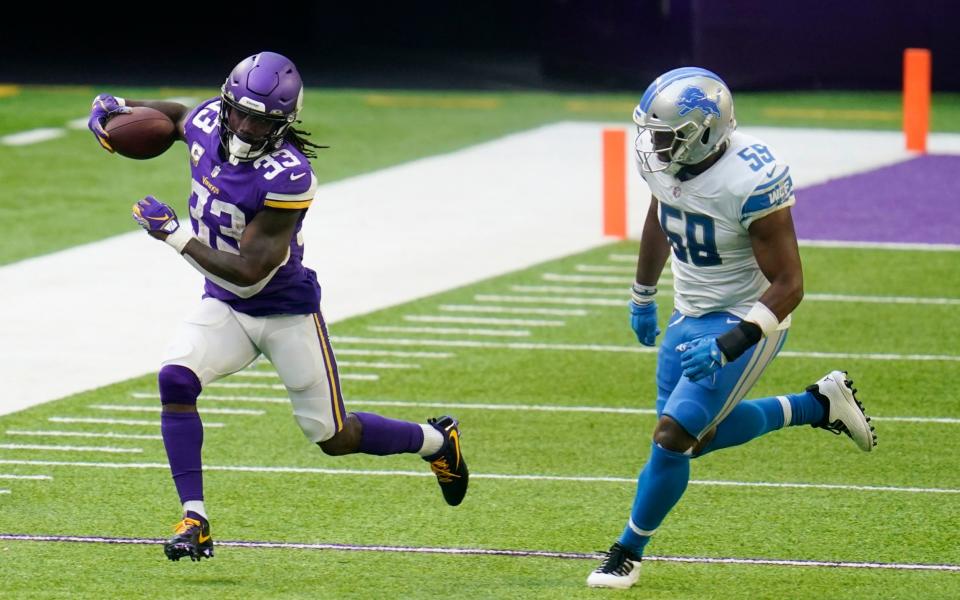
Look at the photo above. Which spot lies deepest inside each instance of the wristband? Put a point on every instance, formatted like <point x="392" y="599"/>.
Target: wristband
<point x="739" y="339"/>
<point x="642" y="294"/>
<point x="179" y="238"/>
<point x="763" y="317"/>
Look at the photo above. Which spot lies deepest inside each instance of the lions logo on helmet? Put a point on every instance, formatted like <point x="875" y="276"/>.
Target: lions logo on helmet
<point x="693" y="98"/>
<point x="690" y="113"/>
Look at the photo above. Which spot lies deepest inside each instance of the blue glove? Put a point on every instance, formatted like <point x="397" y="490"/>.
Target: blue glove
<point x="701" y="358"/>
<point x="105" y="106"/>
<point x="643" y="320"/>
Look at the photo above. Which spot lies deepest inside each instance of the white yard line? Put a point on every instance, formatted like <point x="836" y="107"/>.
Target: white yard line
<point x="810" y="297"/>
<point x="450" y="331"/>
<point x="26" y="477"/>
<point x="571" y="289"/>
<point x="628" y="349"/>
<point x="878" y="245"/>
<point x="85" y="434"/>
<point x="396" y="353"/>
<point x="3" y="491"/>
<point x="605" y="269"/>
<point x="104" y="421"/>
<point x="482" y="321"/>
<point x="548" y="300"/>
<point x="496" y="476"/>
<point x="33" y="136"/>
<point x="58" y="448"/>
<point x="563" y="278"/>
<point x="353" y="364"/>
<point x="488" y="406"/>
<point x="511" y="310"/>
<point x="156" y="409"/>
<point x="880" y="299"/>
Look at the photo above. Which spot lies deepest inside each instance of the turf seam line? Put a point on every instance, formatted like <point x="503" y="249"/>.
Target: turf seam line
<point x="490" y="552"/>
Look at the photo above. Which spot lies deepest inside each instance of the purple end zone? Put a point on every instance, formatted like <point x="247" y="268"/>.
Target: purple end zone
<point x="915" y="201"/>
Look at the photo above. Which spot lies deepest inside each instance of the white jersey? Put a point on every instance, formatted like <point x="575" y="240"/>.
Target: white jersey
<point x="706" y="220"/>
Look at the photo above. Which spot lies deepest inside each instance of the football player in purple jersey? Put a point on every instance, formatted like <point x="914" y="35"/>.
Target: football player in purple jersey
<point x="251" y="186"/>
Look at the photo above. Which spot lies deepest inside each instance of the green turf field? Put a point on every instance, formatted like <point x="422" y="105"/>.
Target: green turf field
<point x="68" y="191"/>
<point x="548" y="494"/>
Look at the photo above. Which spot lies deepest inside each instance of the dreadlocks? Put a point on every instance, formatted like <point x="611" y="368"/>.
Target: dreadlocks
<point x="298" y="138"/>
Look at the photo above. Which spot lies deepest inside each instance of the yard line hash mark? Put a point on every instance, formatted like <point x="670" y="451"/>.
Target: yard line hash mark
<point x="632" y="481"/>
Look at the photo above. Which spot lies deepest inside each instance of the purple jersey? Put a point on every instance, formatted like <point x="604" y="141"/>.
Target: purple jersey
<point x="225" y="197"/>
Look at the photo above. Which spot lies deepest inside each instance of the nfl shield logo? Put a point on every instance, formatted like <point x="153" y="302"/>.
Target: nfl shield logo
<point x="676" y="191"/>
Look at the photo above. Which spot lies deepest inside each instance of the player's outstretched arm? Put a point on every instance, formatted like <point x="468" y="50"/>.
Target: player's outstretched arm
<point x="654" y="250"/>
<point x="174" y="110"/>
<point x="106" y="106"/>
<point x="654" y="247"/>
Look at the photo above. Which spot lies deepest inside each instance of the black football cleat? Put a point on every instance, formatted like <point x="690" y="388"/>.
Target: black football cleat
<point x="192" y="538"/>
<point x="448" y="464"/>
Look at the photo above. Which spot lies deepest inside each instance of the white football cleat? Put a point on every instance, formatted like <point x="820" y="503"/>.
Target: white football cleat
<point x="619" y="570"/>
<point x="843" y="412"/>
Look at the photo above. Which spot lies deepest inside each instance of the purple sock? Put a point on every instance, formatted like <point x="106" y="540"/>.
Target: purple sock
<point x="182" y="431"/>
<point x="383" y="436"/>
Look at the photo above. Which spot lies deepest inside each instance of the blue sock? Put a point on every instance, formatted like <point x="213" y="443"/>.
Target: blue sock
<point x="749" y="419"/>
<point x="660" y="485"/>
<point x="805" y="409"/>
<point x="753" y="418"/>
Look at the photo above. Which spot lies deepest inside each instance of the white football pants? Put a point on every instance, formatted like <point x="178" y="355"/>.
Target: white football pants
<point x="216" y="341"/>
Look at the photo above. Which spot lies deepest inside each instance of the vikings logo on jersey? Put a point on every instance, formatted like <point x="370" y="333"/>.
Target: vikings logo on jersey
<point x="693" y="98"/>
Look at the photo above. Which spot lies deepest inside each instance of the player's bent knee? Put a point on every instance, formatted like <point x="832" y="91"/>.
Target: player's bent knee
<point x="346" y="441"/>
<point x="670" y="435"/>
<point x="178" y="385"/>
<point x="315" y="430"/>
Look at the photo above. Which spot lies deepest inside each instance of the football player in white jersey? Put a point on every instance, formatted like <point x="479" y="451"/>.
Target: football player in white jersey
<point x="721" y="204"/>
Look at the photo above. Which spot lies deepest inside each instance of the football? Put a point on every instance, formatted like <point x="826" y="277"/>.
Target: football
<point x="143" y="133"/>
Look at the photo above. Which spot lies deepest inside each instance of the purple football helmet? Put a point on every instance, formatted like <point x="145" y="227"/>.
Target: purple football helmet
<point x="260" y="101"/>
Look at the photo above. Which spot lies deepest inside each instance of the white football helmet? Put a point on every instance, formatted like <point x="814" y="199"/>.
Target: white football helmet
<point x="683" y="117"/>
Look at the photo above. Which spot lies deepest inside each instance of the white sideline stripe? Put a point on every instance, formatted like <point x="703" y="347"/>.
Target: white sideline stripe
<point x="33" y="136"/>
<point x="624" y="281"/>
<point x="397" y="353"/>
<point x="496" y="476"/>
<point x="58" y="448"/>
<point x="482" y="321"/>
<point x="85" y="434"/>
<point x="355" y="376"/>
<point x="628" y="349"/>
<point x="29" y="477"/>
<point x="613" y="410"/>
<point x="548" y="300"/>
<point x="449" y="331"/>
<point x="511" y="310"/>
<point x="878" y="245"/>
<point x="156" y="409"/>
<point x="4" y="491"/>
<point x="102" y="421"/>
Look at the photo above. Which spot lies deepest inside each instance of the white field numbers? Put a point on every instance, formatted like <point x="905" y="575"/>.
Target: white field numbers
<point x="228" y="236"/>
